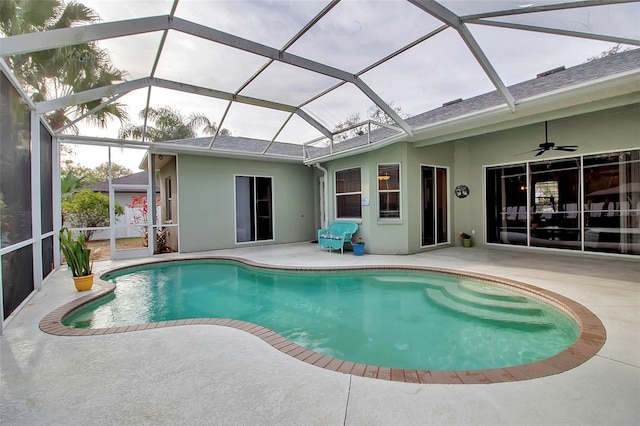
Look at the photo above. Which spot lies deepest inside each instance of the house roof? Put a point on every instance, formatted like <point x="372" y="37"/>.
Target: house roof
<point x="241" y="145"/>
<point x="577" y="76"/>
<point x="546" y="83"/>
<point x="563" y="78"/>
<point x="140" y="178"/>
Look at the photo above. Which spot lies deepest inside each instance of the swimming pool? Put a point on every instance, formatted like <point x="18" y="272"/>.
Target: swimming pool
<point x="396" y="319"/>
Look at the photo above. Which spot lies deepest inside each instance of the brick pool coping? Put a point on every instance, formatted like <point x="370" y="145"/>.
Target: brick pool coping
<point x="590" y="340"/>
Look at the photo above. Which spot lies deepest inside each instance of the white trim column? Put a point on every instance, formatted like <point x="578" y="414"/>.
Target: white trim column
<point x="36" y="201"/>
<point x="56" y="173"/>
<point x="151" y="201"/>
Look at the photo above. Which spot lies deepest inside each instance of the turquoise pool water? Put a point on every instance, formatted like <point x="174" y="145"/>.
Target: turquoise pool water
<point x="410" y="320"/>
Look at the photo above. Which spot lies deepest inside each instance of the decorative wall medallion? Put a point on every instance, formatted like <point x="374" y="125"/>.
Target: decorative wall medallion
<point x="462" y="191"/>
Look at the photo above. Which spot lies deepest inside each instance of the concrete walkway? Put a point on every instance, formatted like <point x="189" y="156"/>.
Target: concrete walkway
<point x="202" y="374"/>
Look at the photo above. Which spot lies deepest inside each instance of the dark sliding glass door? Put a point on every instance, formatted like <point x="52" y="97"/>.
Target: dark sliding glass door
<point x="589" y="203"/>
<point x="434" y="205"/>
<point x="254" y="210"/>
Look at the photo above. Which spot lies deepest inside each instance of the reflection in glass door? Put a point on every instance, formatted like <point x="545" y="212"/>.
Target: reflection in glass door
<point x="434" y="206"/>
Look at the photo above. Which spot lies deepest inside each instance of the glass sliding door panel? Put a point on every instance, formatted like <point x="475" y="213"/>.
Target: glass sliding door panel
<point x="506" y="201"/>
<point x="441" y="205"/>
<point x="428" y="206"/>
<point x="264" y="210"/>
<point x="612" y="202"/>
<point x="554" y="199"/>
<point x="245" y="220"/>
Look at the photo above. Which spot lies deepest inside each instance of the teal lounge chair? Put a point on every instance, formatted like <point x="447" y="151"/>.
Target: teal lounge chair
<point x="336" y="234"/>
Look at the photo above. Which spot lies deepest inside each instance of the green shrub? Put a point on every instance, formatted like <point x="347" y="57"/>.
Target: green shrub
<point x="88" y="209"/>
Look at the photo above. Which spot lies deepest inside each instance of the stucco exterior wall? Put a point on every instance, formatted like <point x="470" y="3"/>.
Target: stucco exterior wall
<point x="208" y="182"/>
<point x="206" y="196"/>
<point x="382" y="236"/>
<point x="595" y="132"/>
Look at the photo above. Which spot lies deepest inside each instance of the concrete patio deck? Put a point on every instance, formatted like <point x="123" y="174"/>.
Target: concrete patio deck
<point x="203" y="374"/>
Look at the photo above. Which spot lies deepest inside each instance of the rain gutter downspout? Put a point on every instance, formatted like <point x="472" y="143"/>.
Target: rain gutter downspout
<point x="325" y="208"/>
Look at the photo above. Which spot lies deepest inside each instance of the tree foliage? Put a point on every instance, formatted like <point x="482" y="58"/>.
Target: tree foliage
<point x="71" y="183"/>
<point x="611" y="51"/>
<point x="88" y="209"/>
<point x="374" y="113"/>
<point x="169" y="124"/>
<point x="75" y="176"/>
<point x="58" y="72"/>
<point x="100" y="173"/>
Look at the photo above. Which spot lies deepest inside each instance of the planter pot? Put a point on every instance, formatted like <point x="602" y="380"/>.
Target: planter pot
<point x="358" y="249"/>
<point x="83" y="283"/>
<point x="466" y="242"/>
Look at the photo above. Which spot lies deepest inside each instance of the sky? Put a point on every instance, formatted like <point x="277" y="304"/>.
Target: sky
<point x="351" y="37"/>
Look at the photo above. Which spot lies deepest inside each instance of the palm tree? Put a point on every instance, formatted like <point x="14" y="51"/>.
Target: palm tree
<point x="170" y="125"/>
<point x="54" y="73"/>
<point x="70" y="184"/>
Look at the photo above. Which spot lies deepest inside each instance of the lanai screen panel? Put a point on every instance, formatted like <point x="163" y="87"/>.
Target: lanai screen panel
<point x="328" y="61"/>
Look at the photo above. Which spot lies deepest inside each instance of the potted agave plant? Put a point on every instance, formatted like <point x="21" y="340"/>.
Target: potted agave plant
<point x="76" y="253"/>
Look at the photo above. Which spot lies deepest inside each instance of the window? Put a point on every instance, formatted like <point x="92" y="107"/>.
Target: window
<point x="546" y="194"/>
<point x="348" y="194"/>
<point x="389" y="191"/>
<point x="169" y="195"/>
<point x="254" y="211"/>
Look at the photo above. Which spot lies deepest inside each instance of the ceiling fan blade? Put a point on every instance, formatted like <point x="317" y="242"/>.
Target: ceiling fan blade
<point x="569" y="148"/>
<point x="547" y="145"/>
<point x="528" y="152"/>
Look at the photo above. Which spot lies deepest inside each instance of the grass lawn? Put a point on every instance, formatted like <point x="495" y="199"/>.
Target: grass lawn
<point x="101" y="249"/>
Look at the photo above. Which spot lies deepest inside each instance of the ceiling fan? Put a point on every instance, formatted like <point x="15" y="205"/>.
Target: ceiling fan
<point x="551" y="146"/>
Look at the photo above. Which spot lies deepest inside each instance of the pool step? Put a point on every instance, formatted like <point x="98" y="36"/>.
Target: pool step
<point x="489" y="292"/>
<point x="503" y="318"/>
<point x="519" y="305"/>
<point x="408" y="280"/>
